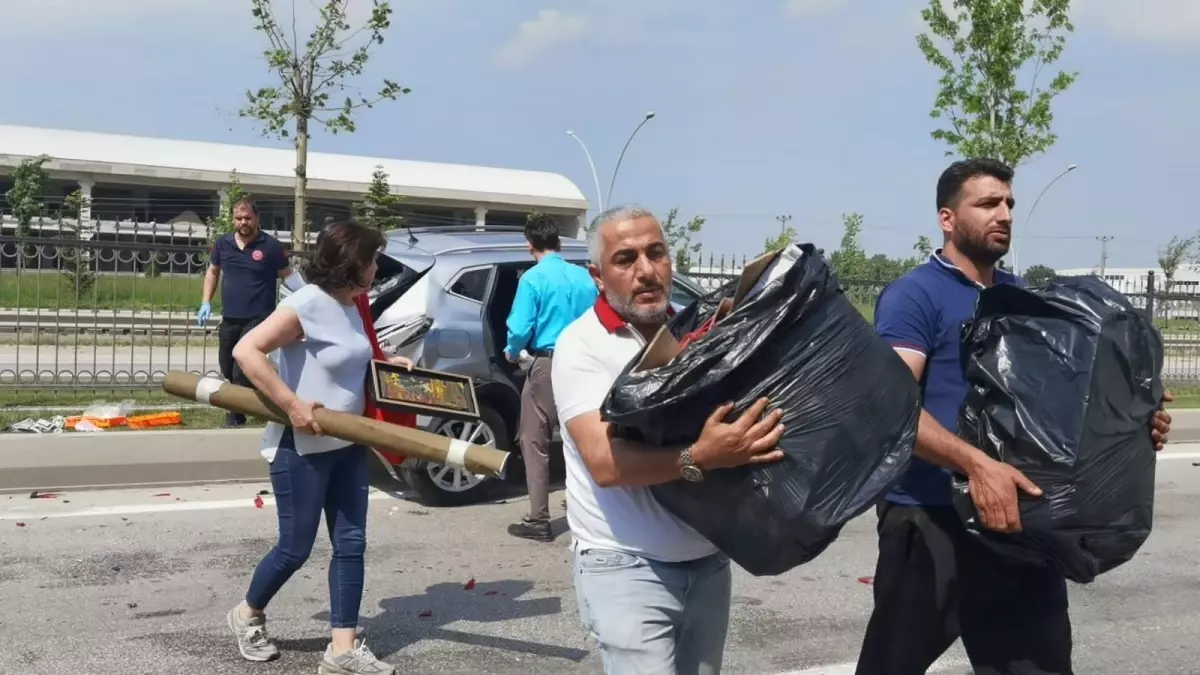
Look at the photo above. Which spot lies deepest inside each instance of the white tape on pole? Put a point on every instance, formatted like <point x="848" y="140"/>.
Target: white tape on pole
<point x="206" y="387"/>
<point x="456" y="456"/>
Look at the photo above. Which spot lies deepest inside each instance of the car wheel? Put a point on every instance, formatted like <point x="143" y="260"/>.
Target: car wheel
<point x="440" y="485"/>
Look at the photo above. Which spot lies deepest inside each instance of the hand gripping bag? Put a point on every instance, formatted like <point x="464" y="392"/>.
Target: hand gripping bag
<point x="1064" y="381"/>
<point x="786" y="331"/>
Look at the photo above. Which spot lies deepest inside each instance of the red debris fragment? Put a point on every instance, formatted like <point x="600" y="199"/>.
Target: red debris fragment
<point x="867" y="580"/>
<point x="162" y="494"/>
<point x="258" y="502"/>
<point x="20" y="524"/>
<point x="470" y="585"/>
<point x="425" y="615"/>
<point x="43" y="495"/>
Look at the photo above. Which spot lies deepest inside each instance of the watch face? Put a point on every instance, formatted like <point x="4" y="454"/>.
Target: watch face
<point x="691" y="473"/>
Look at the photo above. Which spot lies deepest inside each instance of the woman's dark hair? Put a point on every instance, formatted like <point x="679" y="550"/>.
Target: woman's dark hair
<point x="344" y="251"/>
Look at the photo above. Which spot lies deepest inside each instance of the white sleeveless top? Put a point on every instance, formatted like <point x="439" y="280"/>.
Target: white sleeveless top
<point x="328" y="365"/>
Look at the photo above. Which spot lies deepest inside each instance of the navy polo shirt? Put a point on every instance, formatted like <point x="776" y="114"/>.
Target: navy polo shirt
<point x="924" y="312"/>
<point x="248" y="275"/>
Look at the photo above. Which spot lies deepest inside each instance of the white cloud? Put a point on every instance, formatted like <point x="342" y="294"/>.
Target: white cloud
<point x="1150" y="21"/>
<point x="540" y="34"/>
<point x="804" y="8"/>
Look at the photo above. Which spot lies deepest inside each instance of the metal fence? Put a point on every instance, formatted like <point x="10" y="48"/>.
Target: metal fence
<point x="83" y="314"/>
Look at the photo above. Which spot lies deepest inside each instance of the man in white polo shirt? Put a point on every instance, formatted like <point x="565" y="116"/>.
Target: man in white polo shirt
<point x="652" y="592"/>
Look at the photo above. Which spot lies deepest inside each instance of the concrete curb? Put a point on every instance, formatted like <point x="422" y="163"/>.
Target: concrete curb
<point x="129" y="458"/>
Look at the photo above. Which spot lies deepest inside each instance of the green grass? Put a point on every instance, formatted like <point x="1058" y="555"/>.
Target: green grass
<point x="49" y="290"/>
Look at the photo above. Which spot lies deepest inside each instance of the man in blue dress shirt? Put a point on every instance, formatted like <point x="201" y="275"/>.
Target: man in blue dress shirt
<point x="550" y="296"/>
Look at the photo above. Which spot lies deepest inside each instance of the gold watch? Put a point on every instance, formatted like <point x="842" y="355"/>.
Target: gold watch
<point x="687" y="468"/>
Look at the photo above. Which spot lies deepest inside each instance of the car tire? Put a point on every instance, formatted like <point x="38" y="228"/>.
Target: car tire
<point x="432" y="482"/>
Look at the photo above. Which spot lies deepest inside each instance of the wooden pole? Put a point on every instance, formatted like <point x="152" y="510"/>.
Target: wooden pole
<point x="372" y="433"/>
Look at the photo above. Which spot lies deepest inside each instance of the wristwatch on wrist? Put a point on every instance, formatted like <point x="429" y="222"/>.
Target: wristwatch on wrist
<point x="687" y="468"/>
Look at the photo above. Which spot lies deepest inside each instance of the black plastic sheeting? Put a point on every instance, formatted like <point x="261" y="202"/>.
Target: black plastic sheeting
<point x="850" y="405"/>
<point x="1064" y="381"/>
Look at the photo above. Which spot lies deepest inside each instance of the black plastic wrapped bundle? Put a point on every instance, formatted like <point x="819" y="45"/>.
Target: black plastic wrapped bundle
<point x="1064" y="382"/>
<point x="850" y="406"/>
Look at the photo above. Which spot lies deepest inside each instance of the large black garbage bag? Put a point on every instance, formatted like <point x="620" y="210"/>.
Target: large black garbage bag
<point x="850" y="409"/>
<point x="1064" y="382"/>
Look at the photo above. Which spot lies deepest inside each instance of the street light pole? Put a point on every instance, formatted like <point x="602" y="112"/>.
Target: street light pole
<point x="649" y="116"/>
<point x="595" y="177"/>
<point x="1029" y="215"/>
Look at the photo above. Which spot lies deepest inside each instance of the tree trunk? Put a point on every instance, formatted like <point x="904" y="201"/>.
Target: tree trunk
<point x="300" y="217"/>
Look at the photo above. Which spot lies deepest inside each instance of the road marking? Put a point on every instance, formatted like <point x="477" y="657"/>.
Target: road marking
<point x="1163" y="456"/>
<point x="142" y="509"/>
<point x="946" y="664"/>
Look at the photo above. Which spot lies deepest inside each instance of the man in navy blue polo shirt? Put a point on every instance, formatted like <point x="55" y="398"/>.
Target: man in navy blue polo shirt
<point x="933" y="582"/>
<point x="250" y="261"/>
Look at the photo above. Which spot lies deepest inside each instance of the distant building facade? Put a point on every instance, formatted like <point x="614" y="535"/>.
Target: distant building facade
<point x="132" y="182"/>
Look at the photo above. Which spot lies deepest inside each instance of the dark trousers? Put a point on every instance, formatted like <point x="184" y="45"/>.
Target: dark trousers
<point x="934" y="583"/>
<point x="334" y="483"/>
<point x="539" y="417"/>
<point x="228" y="333"/>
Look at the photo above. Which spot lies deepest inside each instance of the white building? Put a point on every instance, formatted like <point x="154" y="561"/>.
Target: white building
<point x="135" y="179"/>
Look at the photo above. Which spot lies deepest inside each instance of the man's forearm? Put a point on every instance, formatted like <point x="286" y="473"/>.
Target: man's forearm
<point x="640" y="465"/>
<point x="210" y="286"/>
<point x="937" y="445"/>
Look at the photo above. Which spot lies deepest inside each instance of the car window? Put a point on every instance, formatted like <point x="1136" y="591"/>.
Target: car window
<point x="472" y="284"/>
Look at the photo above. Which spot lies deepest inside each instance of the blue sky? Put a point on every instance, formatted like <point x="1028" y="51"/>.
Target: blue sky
<point x="810" y="108"/>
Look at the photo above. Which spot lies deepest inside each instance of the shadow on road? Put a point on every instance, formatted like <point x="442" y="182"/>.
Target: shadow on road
<point x="407" y="620"/>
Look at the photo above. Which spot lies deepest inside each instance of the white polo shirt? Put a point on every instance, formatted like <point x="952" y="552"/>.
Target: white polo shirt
<point x="588" y="357"/>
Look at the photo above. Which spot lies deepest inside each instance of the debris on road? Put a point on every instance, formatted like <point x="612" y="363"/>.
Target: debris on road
<point x="470" y="585"/>
<point x="258" y="502"/>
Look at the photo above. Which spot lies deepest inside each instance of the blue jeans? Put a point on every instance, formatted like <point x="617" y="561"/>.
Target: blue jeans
<point x="332" y="482"/>
<point x="654" y="618"/>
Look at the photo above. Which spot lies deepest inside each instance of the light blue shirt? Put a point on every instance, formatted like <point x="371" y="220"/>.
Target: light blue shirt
<point x="328" y="365"/>
<point x="551" y="295"/>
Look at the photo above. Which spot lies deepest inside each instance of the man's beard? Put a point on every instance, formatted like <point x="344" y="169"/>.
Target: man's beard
<point x="640" y="315"/>
<point x="977" y="249"/>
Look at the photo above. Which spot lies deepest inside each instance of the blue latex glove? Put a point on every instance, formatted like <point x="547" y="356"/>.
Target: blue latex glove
<point x="203" y="314"/>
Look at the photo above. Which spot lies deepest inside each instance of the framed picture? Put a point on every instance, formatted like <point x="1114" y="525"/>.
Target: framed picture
<point x="424" y="392"/>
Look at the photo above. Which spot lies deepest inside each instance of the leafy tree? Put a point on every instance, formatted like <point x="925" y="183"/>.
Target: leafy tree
<point x="679" y="238"/>
<point x="75" y="262"/>
<point x="785" y="238"/>
<point x="222" y="223"/>
<point x="378" y="207"/>
<point x="993" y="93"/>
<point x="1039" y="275"/>
<point x="923" y="247"/>
<point x="850" y="260"/>
<point x="25" y="199"/>
<point x="1177" y="252"/>
<point x="334" y="52"/>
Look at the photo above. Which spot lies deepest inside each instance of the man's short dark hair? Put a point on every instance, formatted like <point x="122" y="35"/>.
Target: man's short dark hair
<point x="247" y="202"/>
<point x="344" y="251"/>
<point x="950" y="184"/>
<point x="541" y="231"/>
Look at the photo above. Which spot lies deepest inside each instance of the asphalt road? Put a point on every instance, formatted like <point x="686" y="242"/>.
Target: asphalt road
<point x="134" y="581"/>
